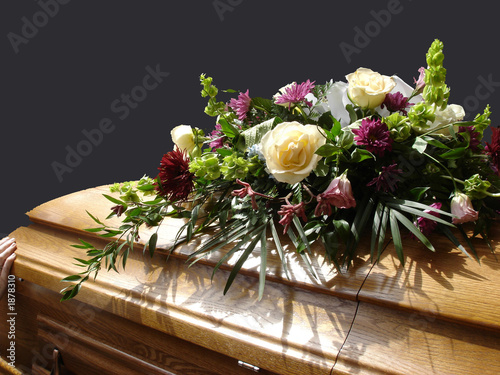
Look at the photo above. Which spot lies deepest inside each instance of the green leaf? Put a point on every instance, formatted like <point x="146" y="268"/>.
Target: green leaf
<point x="94" y="230"/>
<point x="152" y="244"/>
<point x="95" y="219"/>
<point x="224" y="152"/>
<point x="435" y="142"/>
<point x="419" y="145"/>
<point x="413" y="229"/>
<point x="327" y="150"/>
<point x="228" y="129"/>
<point x="114" y="200"/>
<point x="396" y="236"/>
<point x="359" y="154"/>
<point x="279" y="247"/>
<point x="263" y="264"/>
<point x="71" y="278"/>
<point x="456" y="153"/>
<point x="241" y="261"/>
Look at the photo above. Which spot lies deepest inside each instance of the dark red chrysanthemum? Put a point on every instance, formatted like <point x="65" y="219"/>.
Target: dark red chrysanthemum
<point x="374" y="135"/>
<point x="387" y="178"/>
<point x="474" y="136"/>
<point x="176" y="182"/>
<point x="493" y="150"/>
<point x="396" y="103"/>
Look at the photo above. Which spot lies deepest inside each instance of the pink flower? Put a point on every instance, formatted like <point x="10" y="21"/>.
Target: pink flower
<point x="461" y="207"/>
<point x="374" y="135"/>
<point x="420" y="83"/>
<point x="338" y="194"/>
<point x="217" y="137"/>
<point x="289" y="211"/>
<point x="425" y="225"/>
<point x="294" y="93"/>
<point x="241" y="105"/>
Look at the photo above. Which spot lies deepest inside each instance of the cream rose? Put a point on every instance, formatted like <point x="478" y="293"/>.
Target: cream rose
<point x="289" y="150"/>
<point x="183" y="137"/>
<point x="451" y="114"/>
<point x="368" y="88"/>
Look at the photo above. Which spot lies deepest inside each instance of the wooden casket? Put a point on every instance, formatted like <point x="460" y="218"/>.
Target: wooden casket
<point x="439" y="314"/>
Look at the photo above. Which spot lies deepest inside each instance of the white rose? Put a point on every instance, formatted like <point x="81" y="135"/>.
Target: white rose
<point x="367" y="88"/>
<point x="289" y="150"/>
<point x="338" y="99"/>
<point x="451" y="114"/>
<point x="183" y="137"/>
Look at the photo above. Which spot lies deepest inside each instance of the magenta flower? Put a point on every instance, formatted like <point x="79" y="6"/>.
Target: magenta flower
<point x="396" y="103"/>
<point x="475" y="140"/>
<point x="374" y="135"/>
<point x="493" y="150"/>
<point x="387" y="178"/>
<point x="294" y="93"/>
<point x="420" y="83"/>
<point x="427" y="226"/>
<point x="241" y="105"/>
<point x="289" y="211"/>
<point x="338" y="194"/>
<point x="461" y="207"/>
<point x="217" y="137"/>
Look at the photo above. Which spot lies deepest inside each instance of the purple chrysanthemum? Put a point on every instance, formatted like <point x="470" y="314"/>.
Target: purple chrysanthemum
<point x="217" y="137"/>
<point x="474" y="141"/>
<point x="241" y="105"/>
<point x="374" y="135"/>
<point x="295" y="93"/>
<point x="396" y="103"/>
<point x="425" y="225"/>
<point x="387" y="178"/>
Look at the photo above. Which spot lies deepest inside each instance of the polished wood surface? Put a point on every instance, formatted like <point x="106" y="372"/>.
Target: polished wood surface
<point x="438" y="314"/>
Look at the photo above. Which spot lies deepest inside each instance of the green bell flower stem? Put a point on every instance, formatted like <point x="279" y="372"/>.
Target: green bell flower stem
<point x="454" y="179"/>
<point x="442" y="166"/>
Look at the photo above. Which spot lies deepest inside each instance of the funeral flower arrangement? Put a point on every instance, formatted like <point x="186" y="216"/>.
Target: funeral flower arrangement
<point x="316" y="163"/>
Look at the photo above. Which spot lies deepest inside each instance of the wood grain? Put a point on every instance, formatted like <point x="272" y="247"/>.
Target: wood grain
<point x="385" y="341"/>
<point x="446" y="283"/>
<point x="437" y="314"/>
<point x="289" y="329"/>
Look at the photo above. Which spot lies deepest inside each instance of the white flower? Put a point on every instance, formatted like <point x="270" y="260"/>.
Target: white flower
<point x="290" y="149"/>
<point x="183" y="137"/>
<point x="451" y="114"/>
<point x="338" y="99"/>
<point x="367" y="88"/>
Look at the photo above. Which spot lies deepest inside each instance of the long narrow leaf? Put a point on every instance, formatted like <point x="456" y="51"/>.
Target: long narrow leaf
<point x="241" y="260"/>
<point x="413" y="229"/>
<point x="263" y="264"/>
<point x="396" y="236"/>
<point x="279" y="247"/>
<point x="427" y="215"/>
<point x="448" y="233"/>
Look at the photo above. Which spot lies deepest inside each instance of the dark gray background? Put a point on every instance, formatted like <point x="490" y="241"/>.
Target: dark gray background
<point x="64" y="79"/>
